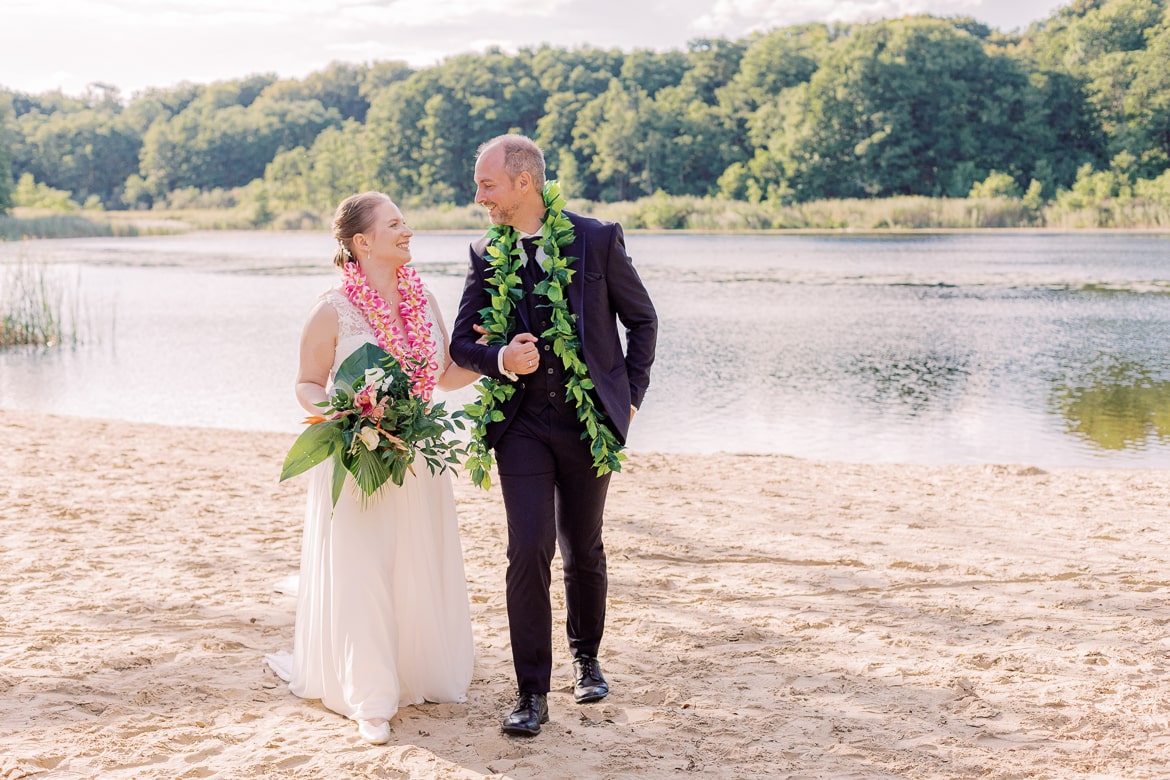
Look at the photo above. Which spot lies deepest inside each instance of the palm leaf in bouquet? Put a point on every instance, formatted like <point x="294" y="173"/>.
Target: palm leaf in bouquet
<point x="374" y="427"/>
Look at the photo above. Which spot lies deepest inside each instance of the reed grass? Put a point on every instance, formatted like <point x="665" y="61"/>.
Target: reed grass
<point x="656" y="212"/>
<point x="30" y="223"/>
<point x="36" y="307"/>
<point x="448" y="217"/>
<point x="162" y="221"/>
<point x="436" y="218"/>
<point x="1133" y="213"/>
<point x="686" y="212"/>
<point x="14" y="228"/>
<point x="663" y="212"/>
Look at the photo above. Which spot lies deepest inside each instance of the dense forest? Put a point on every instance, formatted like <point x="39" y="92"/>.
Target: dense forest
<point x="1074" y="110"/>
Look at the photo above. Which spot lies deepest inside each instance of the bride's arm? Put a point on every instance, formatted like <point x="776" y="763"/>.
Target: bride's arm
<point x="318" y="345"/>
<point x="453" y="376"/>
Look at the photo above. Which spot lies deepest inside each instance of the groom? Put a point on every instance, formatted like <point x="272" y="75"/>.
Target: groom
<point x="551" y="492"/>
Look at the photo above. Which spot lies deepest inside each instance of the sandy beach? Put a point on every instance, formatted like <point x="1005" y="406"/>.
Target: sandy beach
<point x="769" y="618"/>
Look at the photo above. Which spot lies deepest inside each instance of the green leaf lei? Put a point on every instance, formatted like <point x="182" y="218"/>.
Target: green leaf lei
<point x="505" y="256"/>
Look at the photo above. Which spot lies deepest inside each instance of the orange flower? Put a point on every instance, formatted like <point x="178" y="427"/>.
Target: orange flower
<point x="313" y="419"/>
<point x="394" y="440"/>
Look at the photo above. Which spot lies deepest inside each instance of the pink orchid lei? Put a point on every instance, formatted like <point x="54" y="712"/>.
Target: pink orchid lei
<point x="416" y="350"/>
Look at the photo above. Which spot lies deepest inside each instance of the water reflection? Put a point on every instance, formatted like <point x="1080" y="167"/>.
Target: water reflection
<point x="915" y="383"/>
<point x="1122" y="408"/>
<point x="1033" y="348"/>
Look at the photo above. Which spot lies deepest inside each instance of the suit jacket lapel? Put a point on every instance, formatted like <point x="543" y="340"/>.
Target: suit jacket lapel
<point x="576" y="290"/>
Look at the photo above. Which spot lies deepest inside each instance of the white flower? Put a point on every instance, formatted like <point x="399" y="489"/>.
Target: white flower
<point x="374" y="375"/>
<point x="369" y="437"/>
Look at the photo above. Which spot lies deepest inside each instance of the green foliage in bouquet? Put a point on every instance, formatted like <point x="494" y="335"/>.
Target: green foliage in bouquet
<point x="374" y="427"/>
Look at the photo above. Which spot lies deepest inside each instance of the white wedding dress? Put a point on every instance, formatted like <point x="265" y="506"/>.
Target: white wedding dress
<point x="382" y="612"/>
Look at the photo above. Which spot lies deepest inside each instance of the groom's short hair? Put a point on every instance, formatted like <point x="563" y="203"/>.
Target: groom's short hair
<point x="520" y="154"/>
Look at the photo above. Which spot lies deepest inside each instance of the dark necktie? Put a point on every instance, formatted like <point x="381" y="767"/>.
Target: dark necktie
<point x="530" y="272"/>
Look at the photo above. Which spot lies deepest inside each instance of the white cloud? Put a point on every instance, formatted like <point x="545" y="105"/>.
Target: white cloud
<point x="741" y="16"/>
<point x="354" y="14"/>
<point x="133" y="44"/>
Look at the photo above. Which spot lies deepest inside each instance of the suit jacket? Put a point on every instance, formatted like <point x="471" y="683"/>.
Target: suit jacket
<point x="604" y="290"/>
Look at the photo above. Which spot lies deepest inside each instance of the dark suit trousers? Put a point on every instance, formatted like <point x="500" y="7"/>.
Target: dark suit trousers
<point x="552" y="495"/>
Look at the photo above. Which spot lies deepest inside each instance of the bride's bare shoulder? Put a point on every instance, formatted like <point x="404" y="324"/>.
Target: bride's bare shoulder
<point x="323" y="317"/>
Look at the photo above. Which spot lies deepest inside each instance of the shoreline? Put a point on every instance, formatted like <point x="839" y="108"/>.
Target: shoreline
<point x="148" y="231"/>
<point x="295" y="429"/>
<point x="769" y="616"/>
<point x="438" y="221"/>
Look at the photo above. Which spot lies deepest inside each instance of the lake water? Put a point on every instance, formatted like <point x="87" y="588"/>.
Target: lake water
<point x="1032" y="348"/>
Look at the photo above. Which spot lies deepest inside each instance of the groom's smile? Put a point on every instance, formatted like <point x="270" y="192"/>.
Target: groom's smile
<point x="495" y="189"/>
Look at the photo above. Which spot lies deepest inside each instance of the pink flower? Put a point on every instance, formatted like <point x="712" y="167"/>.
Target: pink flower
<point x="366" y="400"/>
<point x="414" y="349"/>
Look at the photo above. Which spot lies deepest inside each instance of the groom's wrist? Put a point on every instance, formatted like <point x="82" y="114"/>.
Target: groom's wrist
<point x="500" y="365"/>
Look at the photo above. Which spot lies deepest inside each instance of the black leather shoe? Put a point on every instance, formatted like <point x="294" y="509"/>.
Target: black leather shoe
<point x="589" y="685"/>
<point x="531" y="710"/>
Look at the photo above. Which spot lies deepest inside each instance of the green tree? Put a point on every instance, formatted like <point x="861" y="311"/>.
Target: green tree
<point x="1061" y="131"/>
<point x="778" y="60"/>
<point x="570" y="79"/>
<point x="584" y="70"/>
<point x="1083" y="31"/>
<point x="917" y="105"/>
<point x="381" y="75"/>
<point x="339" y="86"/>
<point x="286" y="180"/>
<point x="996" y="185"/>
<point x="772" y="63"/>
<point x="651" y="71"/>
<point x="911" y="106"/>
<point x="45" y="103"/>
<point x="1109" y="46"/>
<point x="689" y="144"/>
<point x="713" y="63"/>
<point x="239" y="92"/>
<point x="34" y="194"/>
<point x="339" y="163"/>
<point x="611" y="135"/>
<point x="645" y="134"/>
<point x="554" y="133"/>
<point x="211" y="144"/>
<point x="1147" y="103"/>
<point x="428" y="126"/>
<point x="156" y="103"/>
<point x="7" y="139"/>
<point x="89" y="152"/>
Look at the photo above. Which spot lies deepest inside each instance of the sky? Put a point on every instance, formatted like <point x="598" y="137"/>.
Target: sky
<point x="135" y="44"/>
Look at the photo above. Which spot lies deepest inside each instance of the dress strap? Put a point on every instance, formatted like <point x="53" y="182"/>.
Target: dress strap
<point x="442" y="348"/>
<point x="350" y="321"/>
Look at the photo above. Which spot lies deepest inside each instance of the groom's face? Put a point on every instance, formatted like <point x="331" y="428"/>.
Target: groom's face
<point x="494" y="188"/>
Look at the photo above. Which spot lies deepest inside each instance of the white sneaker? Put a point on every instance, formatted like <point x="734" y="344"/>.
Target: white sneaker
<point x="376" y="732"/>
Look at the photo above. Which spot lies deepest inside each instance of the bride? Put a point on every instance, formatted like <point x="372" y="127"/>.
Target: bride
<point x="382" y="614"/>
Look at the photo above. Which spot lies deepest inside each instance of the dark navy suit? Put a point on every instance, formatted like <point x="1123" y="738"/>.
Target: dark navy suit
<point x="550" y="490"/>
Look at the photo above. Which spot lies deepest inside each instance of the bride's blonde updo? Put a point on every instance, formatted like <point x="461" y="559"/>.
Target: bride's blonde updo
<point x="354" y="215"/>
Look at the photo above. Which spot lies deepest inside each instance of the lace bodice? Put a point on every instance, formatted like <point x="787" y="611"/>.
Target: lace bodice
<point x="353" y="330"/>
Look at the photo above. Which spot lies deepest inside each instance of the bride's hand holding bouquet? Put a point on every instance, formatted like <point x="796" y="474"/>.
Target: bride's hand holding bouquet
<point x="374" y="427"/>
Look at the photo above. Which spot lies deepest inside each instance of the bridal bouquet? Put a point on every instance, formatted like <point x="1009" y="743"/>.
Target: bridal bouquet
<point x="374" y="427"/>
